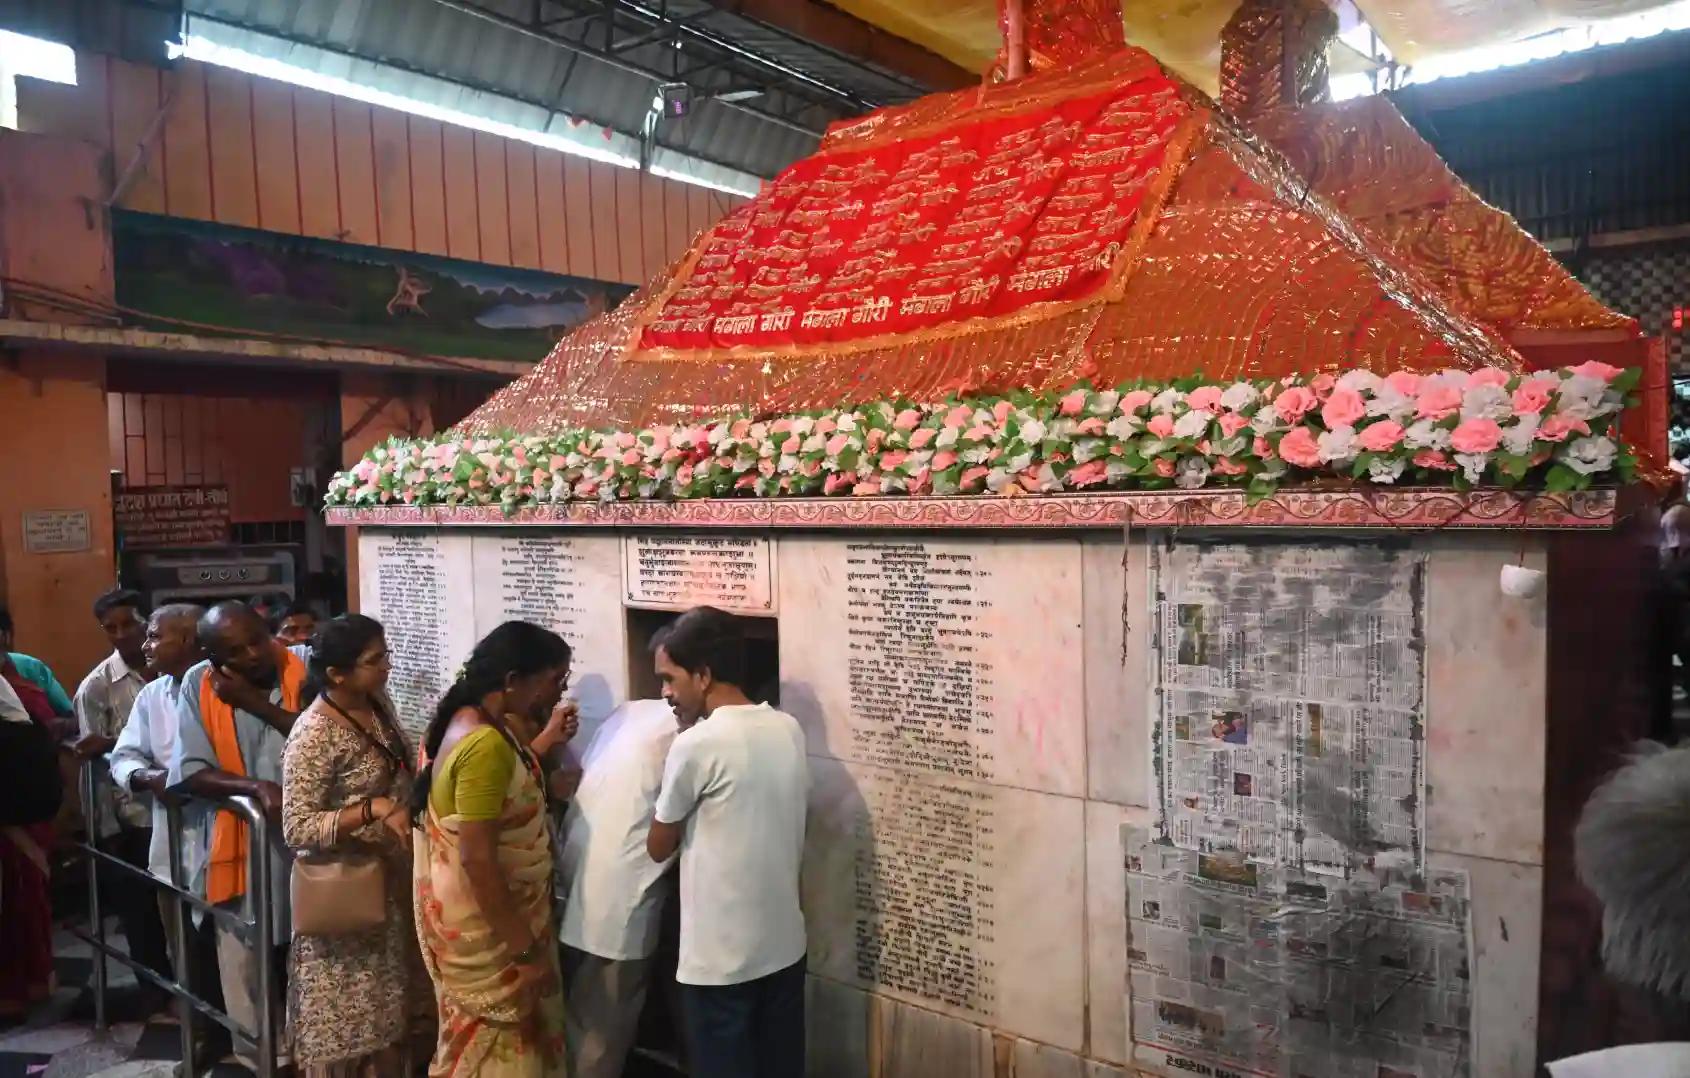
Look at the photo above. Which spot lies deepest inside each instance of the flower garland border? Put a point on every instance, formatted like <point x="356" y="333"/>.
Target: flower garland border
<point x="1468" y="430"/>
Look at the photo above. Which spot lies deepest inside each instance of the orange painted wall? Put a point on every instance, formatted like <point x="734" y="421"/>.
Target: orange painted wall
<point x="243" y="150"/>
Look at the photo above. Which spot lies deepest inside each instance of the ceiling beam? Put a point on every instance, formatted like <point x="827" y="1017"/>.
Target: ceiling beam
<point x="854" y="39"/>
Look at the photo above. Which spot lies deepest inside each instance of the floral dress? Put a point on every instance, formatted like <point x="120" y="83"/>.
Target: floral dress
<point x="355" y="1000"/>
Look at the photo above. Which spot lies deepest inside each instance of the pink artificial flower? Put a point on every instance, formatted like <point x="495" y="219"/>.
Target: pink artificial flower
<point x="1406" y="383"/>
<point x="1161" y="425"/>
<point x="1602" y="372"/>
<point x="908" y="419"/>
<point x="1135" y="400"/>
<point x="971" y="476"/>
<point x="1532" y="397"/>
<point x="520" y="455"/>
<point x="959" y="417"/>
<point x="785" y="484"/>
<point x="660" y="439"/>
<point x="923" y="437"/>
<point x="671" y="455"/>
<point x="1294" y="403"/>
<point x="474" y="484"/>
<point x="1001" y="410"/>
<point x="766" y="466"/>
<point x="782" y="425"/>
<point x="826" y="426"/>
<point x="1228" y="466"/>
<point x="978" y="433"/>
<point x="624" y="440"/>
<point x="837" y="480"/>
<point x="1088" y="474"/>
<point x="746" y="481"/>
<point x="1323" y="385"/>
<point x="1381" y="436"/>
<point x="943" y="459"/>
<point x="1262" y="448"/>
<point x="1232" y="422"/>
<point x="1164" y="467"/>
<point x="809" y="468"/>
<point x="1432" y="458"/>
<point x="558" y="462"/>
<point x="1476" y="436"/>
<point x="1344" y="408"/>
<point x="889" y="461"/>
<point x="1489" y="376"/>
<point x="874" y="439"/>
<point x="1073" y="404"/>
<point x="838" y="444"/>
<point x="1299" y="446"/>
<point x="1557" y="427"/>
<point x="920" y="482"/>
<point x="542" y="477"/>
<point x="868" y="486"/>
<point x="1091" y="426"/>
<point x="631" y="457"/>
<point x="740" y="428"/>
<point x="683" y="475"/>
<point x="1205" y="398"/>
<point x="587" y="489"/>
<point x="1438" y="402"/>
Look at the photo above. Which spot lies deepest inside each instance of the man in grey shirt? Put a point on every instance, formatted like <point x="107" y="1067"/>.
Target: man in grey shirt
<point x="256" y="678"/>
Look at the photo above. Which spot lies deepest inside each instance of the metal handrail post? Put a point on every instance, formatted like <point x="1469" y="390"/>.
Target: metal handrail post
<point x="185" y="938"/>
<point x="92" y="811"/>
<point x="258" y="875"/>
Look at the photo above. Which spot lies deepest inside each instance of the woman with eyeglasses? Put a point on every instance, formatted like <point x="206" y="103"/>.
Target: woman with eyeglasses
<point x="356" y="998"/>
<point x="484" y="858"/>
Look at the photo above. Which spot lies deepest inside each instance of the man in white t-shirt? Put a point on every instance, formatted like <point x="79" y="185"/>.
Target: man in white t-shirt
<point x="734" y="794"/>
<point x="615" y="893"/>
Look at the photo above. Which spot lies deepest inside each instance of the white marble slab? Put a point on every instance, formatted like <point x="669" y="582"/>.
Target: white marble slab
<point x="1106" y="929"/>
<point x="837" y="1030"/>
<point x="960" y="897"/>
<point x="681" y="570"/>
<point x="917" y="1043"/>
<point x="1507" y="935"/>
<point x="958" y="657"/>
<point x="420" y="585"/>
<point x="1486" y="664"/>
<point x="1031" y="1060"/>
<point x="570" y="583"/>
<point x="1117" y="603"/>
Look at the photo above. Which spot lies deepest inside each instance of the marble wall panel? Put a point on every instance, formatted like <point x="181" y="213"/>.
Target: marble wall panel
<point x="1507" y="933"/>
<point x="1486" y="663"/>
<point x="571" y="583"/>
<point x="918" y="1043"/>
<point x="1117" y="605"/>
<point x="960" y="897"/>
<point x="837" y="1029"/>
<point x="958" y="656"/>
<point x="419" y="585"/>
<point x="1106" y="929"/>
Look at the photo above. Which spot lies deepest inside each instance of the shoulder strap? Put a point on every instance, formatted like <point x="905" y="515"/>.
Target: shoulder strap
<point x="341" y="718"/>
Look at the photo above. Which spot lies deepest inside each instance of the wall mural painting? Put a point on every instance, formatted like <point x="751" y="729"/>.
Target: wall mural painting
<point x="191" y="276"/>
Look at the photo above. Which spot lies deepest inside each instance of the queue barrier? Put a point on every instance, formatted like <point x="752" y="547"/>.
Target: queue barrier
<point x="257" y="933"/>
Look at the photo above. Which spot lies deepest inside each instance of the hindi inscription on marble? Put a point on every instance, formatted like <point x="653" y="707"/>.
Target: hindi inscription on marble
<point x="960" y="658"/>
<point x="677" y="571"/>
<point x="418" y="585"/>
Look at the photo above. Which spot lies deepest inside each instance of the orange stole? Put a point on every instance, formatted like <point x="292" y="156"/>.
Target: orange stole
<point x="225" y="873"/>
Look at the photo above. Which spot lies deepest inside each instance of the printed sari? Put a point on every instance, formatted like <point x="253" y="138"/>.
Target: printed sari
<point x="26" y="907"/>
<point x="485" y="1027"/>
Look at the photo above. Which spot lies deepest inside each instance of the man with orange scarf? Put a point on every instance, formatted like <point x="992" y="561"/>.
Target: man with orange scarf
<point x="236" y="709"/>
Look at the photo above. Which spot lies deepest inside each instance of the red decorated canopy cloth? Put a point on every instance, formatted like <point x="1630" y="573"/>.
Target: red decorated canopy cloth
<point x="1100" y="220"/>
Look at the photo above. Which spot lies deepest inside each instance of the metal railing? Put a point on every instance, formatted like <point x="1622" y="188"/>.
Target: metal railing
<point x="257" y="933"/>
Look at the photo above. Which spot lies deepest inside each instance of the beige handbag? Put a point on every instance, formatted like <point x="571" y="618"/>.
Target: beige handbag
<point x="338" y="892"/>
<point x="335" y="894"/>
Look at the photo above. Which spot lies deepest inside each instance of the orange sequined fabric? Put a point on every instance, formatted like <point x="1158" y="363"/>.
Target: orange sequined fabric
<point x="1239" y="268"/>
<point x="1273" y="55"/>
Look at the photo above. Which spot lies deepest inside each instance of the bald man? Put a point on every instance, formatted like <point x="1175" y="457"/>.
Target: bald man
<point x="236" y="709"/>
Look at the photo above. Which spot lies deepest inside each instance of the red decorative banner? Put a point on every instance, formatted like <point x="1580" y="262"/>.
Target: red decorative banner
<point x="981" y="220"/>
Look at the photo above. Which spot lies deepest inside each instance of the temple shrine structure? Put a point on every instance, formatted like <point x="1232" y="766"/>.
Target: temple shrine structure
<point x="1262" y="761"/>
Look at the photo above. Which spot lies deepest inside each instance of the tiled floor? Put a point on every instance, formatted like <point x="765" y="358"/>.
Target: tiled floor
<point x="60" y="1041"/>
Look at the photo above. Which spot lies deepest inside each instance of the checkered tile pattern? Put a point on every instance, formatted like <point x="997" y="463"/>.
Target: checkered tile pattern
<point x="1646" y="283"/>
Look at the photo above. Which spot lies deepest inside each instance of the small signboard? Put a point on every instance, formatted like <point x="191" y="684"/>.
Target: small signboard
<point x="677" y="571"/>
<point x="153" y="517"/>
<point x="56" y="531"/>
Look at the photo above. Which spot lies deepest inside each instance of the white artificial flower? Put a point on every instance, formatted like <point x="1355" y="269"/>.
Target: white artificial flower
<point x="1152" y="447"/>
<point x="1338" y="445"/>
<point x="1451" y="377"/>
<point x="1104" y="402"/>
<point x="1386" y="469"/>
<point x="947" y="438"/>
<point x="1590" y="455"/>
<point x="1230" y="447"/>
<point x="1361" y="381"/>
<point x="1063" y="429"/>
<point x="803" y="425"/>
<point x="980" y="454"/>
<point x="1032" y="432"/>
<point x="718" y="434"/>
<point x="1239" y="395"/>
<point x="1123" y="427"/>
<point x="943" y="484"/>
<point x="1020" y="462"/>
<point x="891" y="483"/>
<point x="847" y="421"/>
<point x="1273" y="470"/>
<point x="1192" y="473"/>
<point x="815" y="443"/>
<point x="997" y="479"/>
<point x="1088" y="449"/>
<point x="1046" y="480"/>
<point x="1473" y="465"/>
<point x="1192" y="424"/>
<point x="1486" y="402"/>
<point x="1117" y="469"/>
<point x="1517" y="439"/>
<point x="1425" y="435"/>
<point x="787" y="463"/>
<point x="1581" y="397"/>
<point x="1165" y="400"/>
<point x="1266" y="419"/>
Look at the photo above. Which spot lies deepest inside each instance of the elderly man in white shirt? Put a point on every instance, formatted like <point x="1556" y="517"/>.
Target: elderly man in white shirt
<point x="614" y="903"/>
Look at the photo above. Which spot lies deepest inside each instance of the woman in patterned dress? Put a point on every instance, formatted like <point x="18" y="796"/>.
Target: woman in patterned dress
<point x="353" y="999"/>
<point x="483" y="866"/>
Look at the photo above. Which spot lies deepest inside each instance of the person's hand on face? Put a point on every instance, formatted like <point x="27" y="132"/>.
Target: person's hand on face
<point x="565" y="721"/>
<point x="235" y="690"/>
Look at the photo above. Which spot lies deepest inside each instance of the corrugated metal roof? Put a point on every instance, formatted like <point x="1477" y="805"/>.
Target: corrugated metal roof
<point x="496" y="46"/>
